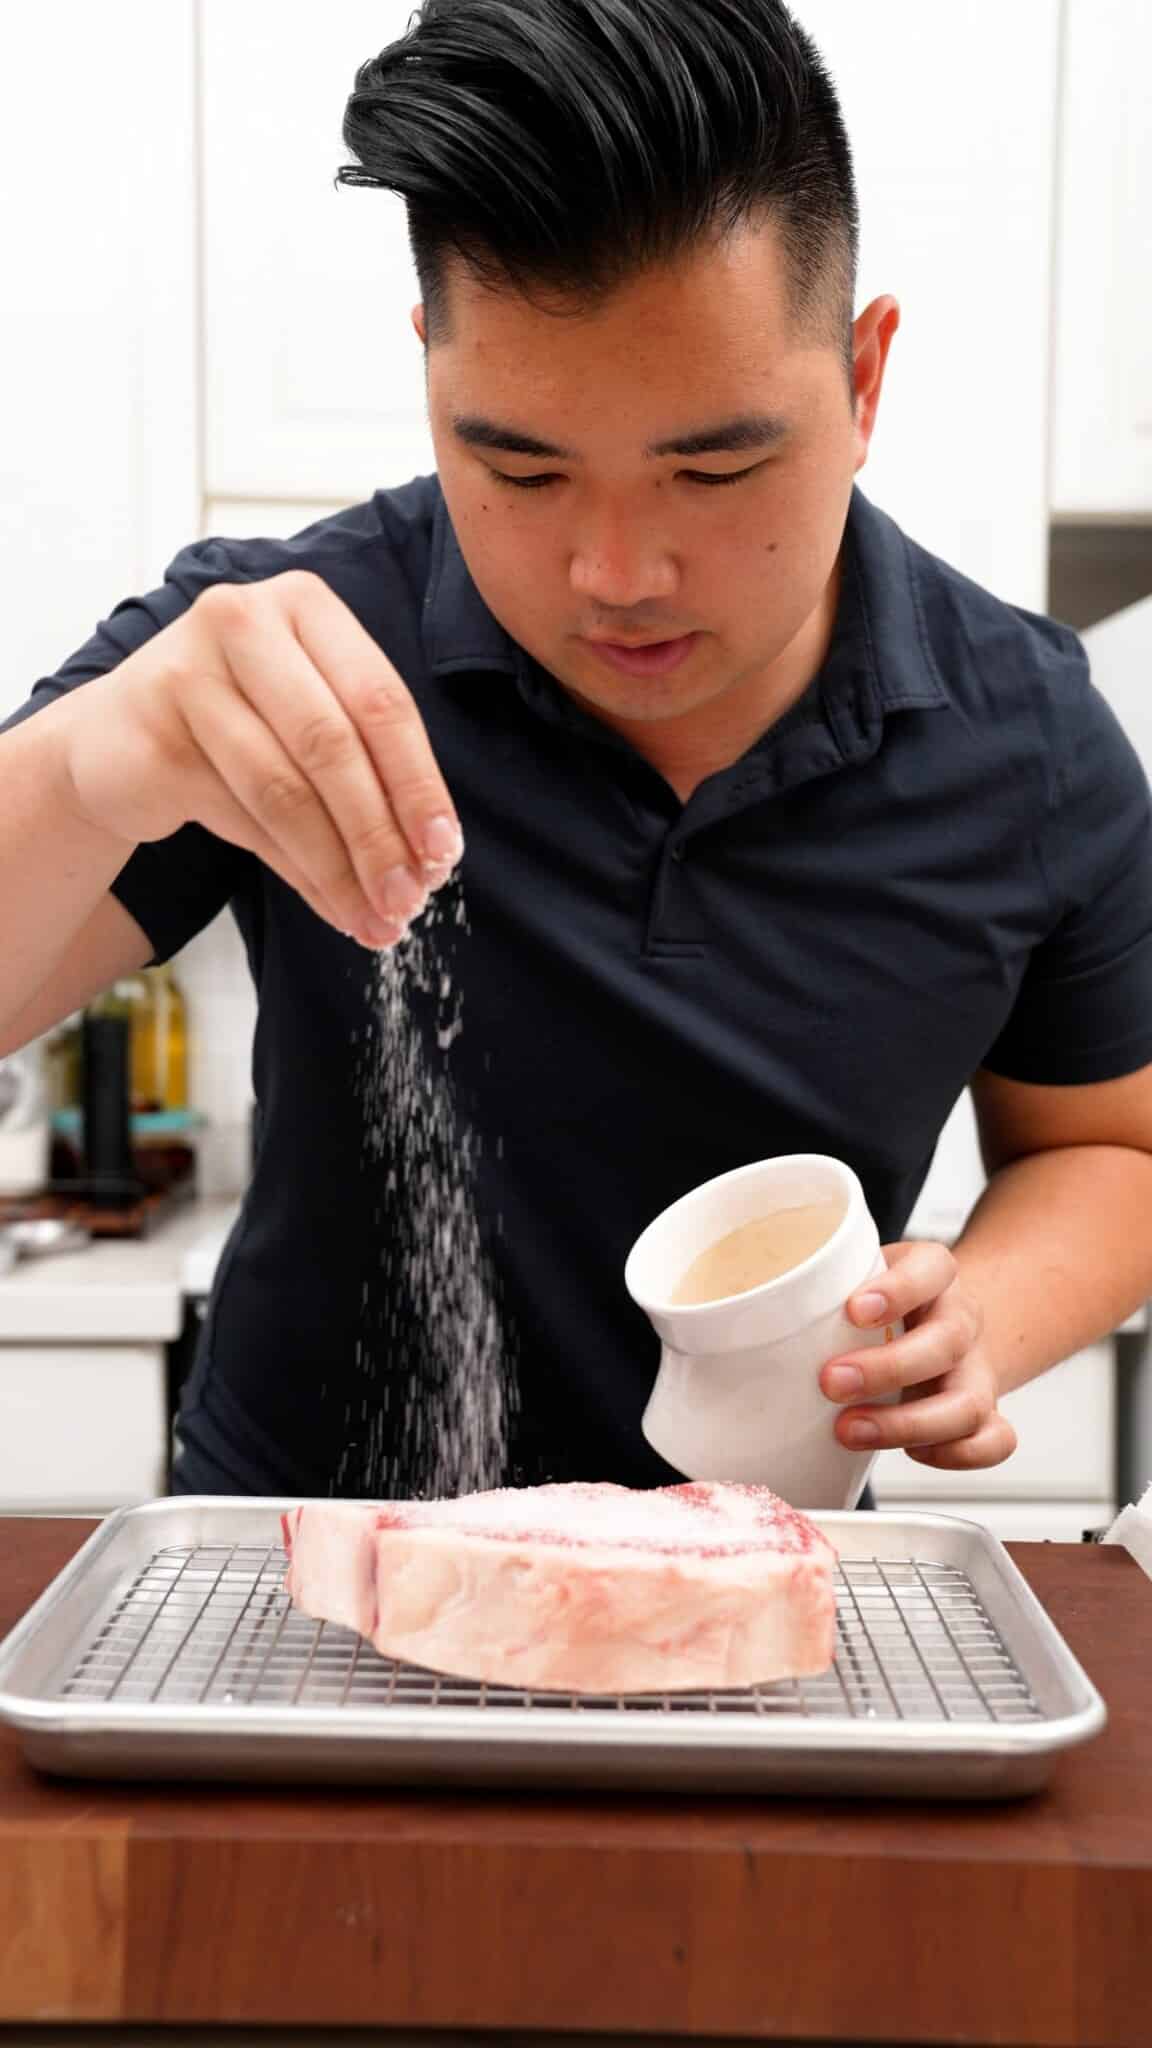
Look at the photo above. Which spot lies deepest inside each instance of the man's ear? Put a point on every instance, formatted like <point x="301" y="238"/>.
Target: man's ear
<point x="872" y="338"/>
<point x="419" y="324"/>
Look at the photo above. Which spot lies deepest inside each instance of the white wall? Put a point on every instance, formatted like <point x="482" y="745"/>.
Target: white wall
<point x="99" y="471"/>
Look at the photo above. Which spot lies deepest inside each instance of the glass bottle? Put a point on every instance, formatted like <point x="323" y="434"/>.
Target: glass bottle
<point x="138" y="990"/>
<point x="63" y="1055"/>
<point x="169" y="1027"/>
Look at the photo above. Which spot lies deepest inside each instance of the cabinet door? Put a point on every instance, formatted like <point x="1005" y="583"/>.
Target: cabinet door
<point x="84" y="1425"/>
<point x="263" y="518"/>
<point x="1102" y="439"/>
<point x="956" y="1178"/>
<point x="315" y="381"/>
<point x="955" y="135"/>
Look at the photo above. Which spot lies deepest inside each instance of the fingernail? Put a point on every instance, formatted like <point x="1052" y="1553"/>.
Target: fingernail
<point x="443" y="843"/>
<point x="379" y="933"/>
<point x="842" y="1381"/>
<point x="401" y="895"/>
<point x="870" y="1308"/>
<point x="862" y="1433"/>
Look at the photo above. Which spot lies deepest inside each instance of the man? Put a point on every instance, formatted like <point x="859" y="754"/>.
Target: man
<point x="777" y="831"/>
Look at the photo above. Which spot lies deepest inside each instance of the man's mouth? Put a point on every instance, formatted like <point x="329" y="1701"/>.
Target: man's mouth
<point x="644" y="657"/>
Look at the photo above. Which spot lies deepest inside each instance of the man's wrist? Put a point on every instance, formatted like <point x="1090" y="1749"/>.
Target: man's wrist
<point x="51" y="736"/>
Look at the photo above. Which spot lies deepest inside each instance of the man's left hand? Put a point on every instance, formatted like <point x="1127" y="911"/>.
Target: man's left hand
<point x="947" y="1414"/>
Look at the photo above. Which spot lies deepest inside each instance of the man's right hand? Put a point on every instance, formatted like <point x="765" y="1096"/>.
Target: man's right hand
<point x="267" y="714"/>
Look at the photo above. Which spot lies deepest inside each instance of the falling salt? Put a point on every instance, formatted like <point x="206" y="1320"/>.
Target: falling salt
<point x="434" y="1350"/>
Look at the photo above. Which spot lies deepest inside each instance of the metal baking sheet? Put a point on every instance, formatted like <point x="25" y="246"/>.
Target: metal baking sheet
<point x="168" y="1649"/>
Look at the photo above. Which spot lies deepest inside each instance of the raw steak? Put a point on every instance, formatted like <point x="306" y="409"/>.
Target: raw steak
<point x="580" y="1588"/>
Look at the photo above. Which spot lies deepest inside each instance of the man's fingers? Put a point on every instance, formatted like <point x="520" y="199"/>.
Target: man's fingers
<point x="385" y="715"/>
<point x="956" y="1414"/>
<point x="922" y="1353"/>
<point x="917" y="1273"/>
<point x="321" y="768"/>
<point x="310" y="730"/>
<point x="990" y="1446"/>
<point x="226" y="817"/>
<point x="273" y="810"/>
<point x="930" y="1420"/>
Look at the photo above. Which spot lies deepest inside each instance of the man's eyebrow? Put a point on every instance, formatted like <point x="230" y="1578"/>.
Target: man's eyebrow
<point x="479" y="432"/>
<point x="730" y="437"/>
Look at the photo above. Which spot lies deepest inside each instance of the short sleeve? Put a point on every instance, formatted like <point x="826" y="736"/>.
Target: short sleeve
<point x="1084" y="1008"/>
<point x="173" y="887"/>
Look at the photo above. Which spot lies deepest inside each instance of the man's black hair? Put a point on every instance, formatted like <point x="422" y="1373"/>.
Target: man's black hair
<point x="562" y="147"/>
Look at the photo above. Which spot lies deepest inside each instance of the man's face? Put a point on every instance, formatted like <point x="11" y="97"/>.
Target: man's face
<point x="609" y="541"/>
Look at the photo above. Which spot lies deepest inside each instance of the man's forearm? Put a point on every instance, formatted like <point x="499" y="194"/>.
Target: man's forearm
<point x="1058" y="1251"/>
<point x="54" y="869"/>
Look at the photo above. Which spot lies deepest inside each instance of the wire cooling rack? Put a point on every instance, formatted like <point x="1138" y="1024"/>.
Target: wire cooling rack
<point x="212" y="1625"/>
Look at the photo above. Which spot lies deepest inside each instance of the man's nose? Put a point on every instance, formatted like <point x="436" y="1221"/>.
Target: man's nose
<point x="623" y="565"/>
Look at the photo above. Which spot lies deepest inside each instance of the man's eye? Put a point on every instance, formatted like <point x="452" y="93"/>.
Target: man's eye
<point x="525" y="483"/>
<point x="708" y="476"/>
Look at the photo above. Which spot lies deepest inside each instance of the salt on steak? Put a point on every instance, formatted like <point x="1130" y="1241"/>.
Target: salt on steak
<point x="576" y="1588"/>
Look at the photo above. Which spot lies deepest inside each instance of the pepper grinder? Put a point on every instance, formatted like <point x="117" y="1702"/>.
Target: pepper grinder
<point x="110" y="1175"/>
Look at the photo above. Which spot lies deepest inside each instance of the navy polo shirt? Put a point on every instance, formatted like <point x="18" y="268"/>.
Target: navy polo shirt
<point x="937" y="860"/>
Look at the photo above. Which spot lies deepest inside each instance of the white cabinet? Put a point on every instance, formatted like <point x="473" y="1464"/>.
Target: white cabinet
<point x="314" y="384"/>
<point x="83" y="1368"/>
<point x="314" y="378"/>
<point x="1102" y="393"/>
<point x="84" y="1426"/>
<point x="263" y="518"/>
<point x="955" y="140"/>
<point x="956" y="1178"/>
<point x="1120" y="651"/>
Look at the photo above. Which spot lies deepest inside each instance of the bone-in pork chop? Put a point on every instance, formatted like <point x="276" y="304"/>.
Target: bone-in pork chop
<point x="577" y="1588"/>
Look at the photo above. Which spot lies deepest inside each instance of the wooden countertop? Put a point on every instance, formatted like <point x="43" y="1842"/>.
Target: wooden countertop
<point x="1026" y="1923"/>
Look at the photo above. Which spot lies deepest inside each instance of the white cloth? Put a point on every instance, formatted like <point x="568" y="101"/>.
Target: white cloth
<point x="1133" y="1528"/>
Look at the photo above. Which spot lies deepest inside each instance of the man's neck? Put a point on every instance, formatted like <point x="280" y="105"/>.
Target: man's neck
<point x="687" y="750"/>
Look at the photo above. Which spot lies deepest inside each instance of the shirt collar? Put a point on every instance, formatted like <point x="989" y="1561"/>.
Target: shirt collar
<point x="887" y="612"/>
<point x="459" y="630"/>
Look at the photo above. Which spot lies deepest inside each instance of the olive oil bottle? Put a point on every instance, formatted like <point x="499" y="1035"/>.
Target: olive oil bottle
<point x="159" y="1043"/>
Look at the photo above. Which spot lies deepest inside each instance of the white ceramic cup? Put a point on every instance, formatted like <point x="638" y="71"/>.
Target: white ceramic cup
<point x="738" y="1393"/>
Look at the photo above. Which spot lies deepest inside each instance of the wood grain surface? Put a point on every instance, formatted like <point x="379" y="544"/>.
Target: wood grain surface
<point x="1026" y="1924"/>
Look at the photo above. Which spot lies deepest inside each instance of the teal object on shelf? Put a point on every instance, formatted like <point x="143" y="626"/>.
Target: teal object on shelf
<point x="159" y="1123"/>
